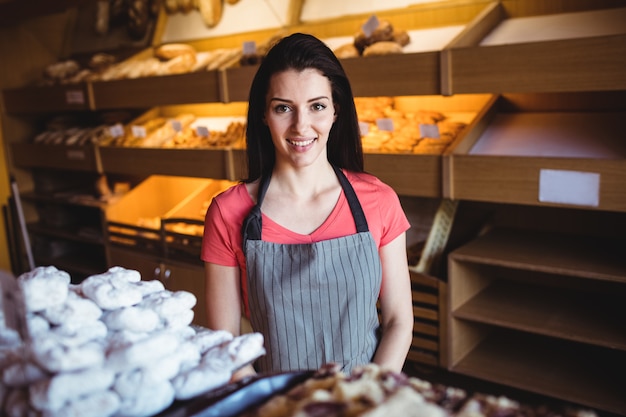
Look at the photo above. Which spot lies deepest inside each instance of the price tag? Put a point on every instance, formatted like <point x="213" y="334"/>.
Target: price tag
<point x="202" y="131"/>
<point x="75" y="154"/>
<point x="177" y="126"/>
<point x="385" y="124"/>
<point x="74" y="97"/>
<point x="139" y="131"/>
<point x="569" y="187"/>
<point x="429" y="131"/>
<point x="364" y="128"/>
<point x="249" y="48"/>
<point x="117" y="130"/>
<point x="370" y="26"/>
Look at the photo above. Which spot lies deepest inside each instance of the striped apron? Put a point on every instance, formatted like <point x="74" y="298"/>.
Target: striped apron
<point x="313" y="303"/>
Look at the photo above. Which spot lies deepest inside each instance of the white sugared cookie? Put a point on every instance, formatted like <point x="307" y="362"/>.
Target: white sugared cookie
<point x="52" y="394"/>
<point x="54" y="356"/>
<point x="238" y="352"/>
<point x="75" y="309"/>
<point x="150" y="286"/>
<point x="206" y="339"/>
<point x="147" y="400"/>
<point x="43" y="287"/>
<point x="77" y="334"/>
<point x="133" y="319"/>
<point x="113" y="289"/>
<point x="99" y="404"/>
<point x="169" y="303"/>
<point x="22" y="373"/>
<point x="142" y="352"/>
<point x="201" y="379"/>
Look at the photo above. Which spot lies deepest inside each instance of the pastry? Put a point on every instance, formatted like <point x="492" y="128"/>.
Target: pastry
<point x="172" y="50"/>
<point x="382" y="48"/>
<point x="43" y="287"/>
<point x="347" y="51"/>
<point x="211" y="11"/>
<point x="201" y="379"/>
<point x="98" y="404"/>
<point x="132" y="319"/>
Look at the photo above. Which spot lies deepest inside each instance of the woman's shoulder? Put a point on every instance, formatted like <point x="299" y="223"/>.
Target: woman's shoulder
<point x="364" y="181"/>
<point x="233" y="197"/>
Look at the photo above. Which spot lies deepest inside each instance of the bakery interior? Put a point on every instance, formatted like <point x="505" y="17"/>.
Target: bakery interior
<point x="499" y="123"/>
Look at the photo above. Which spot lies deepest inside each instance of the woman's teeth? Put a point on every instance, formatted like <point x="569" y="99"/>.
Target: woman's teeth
<point x="301" y="142"/>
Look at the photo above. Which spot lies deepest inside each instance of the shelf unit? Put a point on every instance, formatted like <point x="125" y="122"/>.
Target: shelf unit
<point x="541" y="312"/>
<point x="520" y="79"/>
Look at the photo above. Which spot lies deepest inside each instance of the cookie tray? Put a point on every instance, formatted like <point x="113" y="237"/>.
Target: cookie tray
<point x="233" y="399"/>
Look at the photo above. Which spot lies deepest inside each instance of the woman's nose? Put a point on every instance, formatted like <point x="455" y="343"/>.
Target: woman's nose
<point x="301" y="121"/>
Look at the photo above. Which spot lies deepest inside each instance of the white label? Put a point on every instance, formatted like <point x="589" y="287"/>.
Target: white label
<point x="75" y="154"/>
<point x="364" y="128"/>
<point x="385" y="124"/>
<point x="569" y="187"/>
<point x="202" y="131"/>
<point x="177" y="126"/>
<point x="370" y="26"/>
<point x="139" y="131"/>
<point x="249" y="48"/>
<point x="74" y="97"/>
<point x="117" y="130"/>
<point x="429" y="131"/>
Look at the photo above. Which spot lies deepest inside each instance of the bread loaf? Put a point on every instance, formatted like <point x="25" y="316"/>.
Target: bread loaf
<point x="211" y="11"/>
<point x="383" y="48"/>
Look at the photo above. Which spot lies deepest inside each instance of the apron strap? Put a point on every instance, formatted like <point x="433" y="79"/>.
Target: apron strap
<point x="252" y="224"/>
<point x="353" y="201"/>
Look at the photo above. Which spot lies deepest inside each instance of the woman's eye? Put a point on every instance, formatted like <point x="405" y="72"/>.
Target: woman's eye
<point x="281" y="108"/>
<point x="318" y="106"/>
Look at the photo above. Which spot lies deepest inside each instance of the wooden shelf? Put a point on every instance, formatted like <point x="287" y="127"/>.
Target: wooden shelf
<point x="43" y="99"/>
<point x="584" y="256"/>
<point x="72" y="234"/>
<point x="586" y="376"/>
<point x="581" y="317"/>
<point x="74" y="158"/>
<point x="504" y="52"/>
<point x="509" y="152"/>
<point x="541" y="312"/>
<point x="198" y="87"/>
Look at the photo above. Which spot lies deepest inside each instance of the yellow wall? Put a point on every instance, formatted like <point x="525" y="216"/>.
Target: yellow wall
<point x="25" y="49"/>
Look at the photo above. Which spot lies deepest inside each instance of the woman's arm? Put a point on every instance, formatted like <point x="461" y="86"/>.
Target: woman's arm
<point x="396" y="306"/>
<point x="224" y="304"/>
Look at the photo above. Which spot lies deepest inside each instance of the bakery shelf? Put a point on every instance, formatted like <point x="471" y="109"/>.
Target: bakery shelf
<point x="44" y="99"/>
<point x="526" y="308"/>
<point x="197" y="87"/>
<point x="509" y="49"/>
<point x="76" y="158"/>
<point x="550" y="312"/>
<point x="524" y="153"/>
<point x="585" y="375"/>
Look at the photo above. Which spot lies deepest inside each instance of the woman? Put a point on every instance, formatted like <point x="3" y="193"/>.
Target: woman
<point x="307" y="245"/>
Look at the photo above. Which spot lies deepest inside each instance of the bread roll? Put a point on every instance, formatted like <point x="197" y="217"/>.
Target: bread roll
<point x="211" y="11"/>
<point x="382" y="48"/>
<point x="172" y="50"/>
<point x="347" y="51"/>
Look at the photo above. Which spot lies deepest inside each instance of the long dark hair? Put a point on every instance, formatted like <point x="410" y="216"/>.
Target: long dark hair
<point x="301" y="51"/>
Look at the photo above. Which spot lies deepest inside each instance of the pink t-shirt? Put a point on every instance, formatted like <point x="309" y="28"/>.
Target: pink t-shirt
<point x="222" y="242"/>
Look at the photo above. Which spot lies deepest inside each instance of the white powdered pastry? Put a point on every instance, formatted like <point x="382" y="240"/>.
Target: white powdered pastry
<point x="132" y="319"/>
<point x="99" y="404"/>
<point x="147" y="401"/>
<point x="238" y="352"/>
<point x="76" y="309"/>
<point x="53" y="393"/>
<point x="149" y="287"/>
<point x="206" y="339"/>
<point x="22" y="373"/>
<point x="128" y="382"/>
<point x="36" y="325"/>
<point x="169" y="303"/>
<point x="142" y="352"/>
<point x="188" y="355"/>
<point x="201" y="379"/>
<point x="77" y="334"/>
<point x="113" y="289"/>
<point x="43" y="287"/>
<point x="54" y="356"/>
<point x="180" y="320"/>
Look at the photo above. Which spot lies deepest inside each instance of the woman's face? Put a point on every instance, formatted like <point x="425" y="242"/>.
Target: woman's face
<point x="299" y="113"/>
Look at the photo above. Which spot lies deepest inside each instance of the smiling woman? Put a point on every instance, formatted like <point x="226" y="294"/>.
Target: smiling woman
<point x="309" y="244"/>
